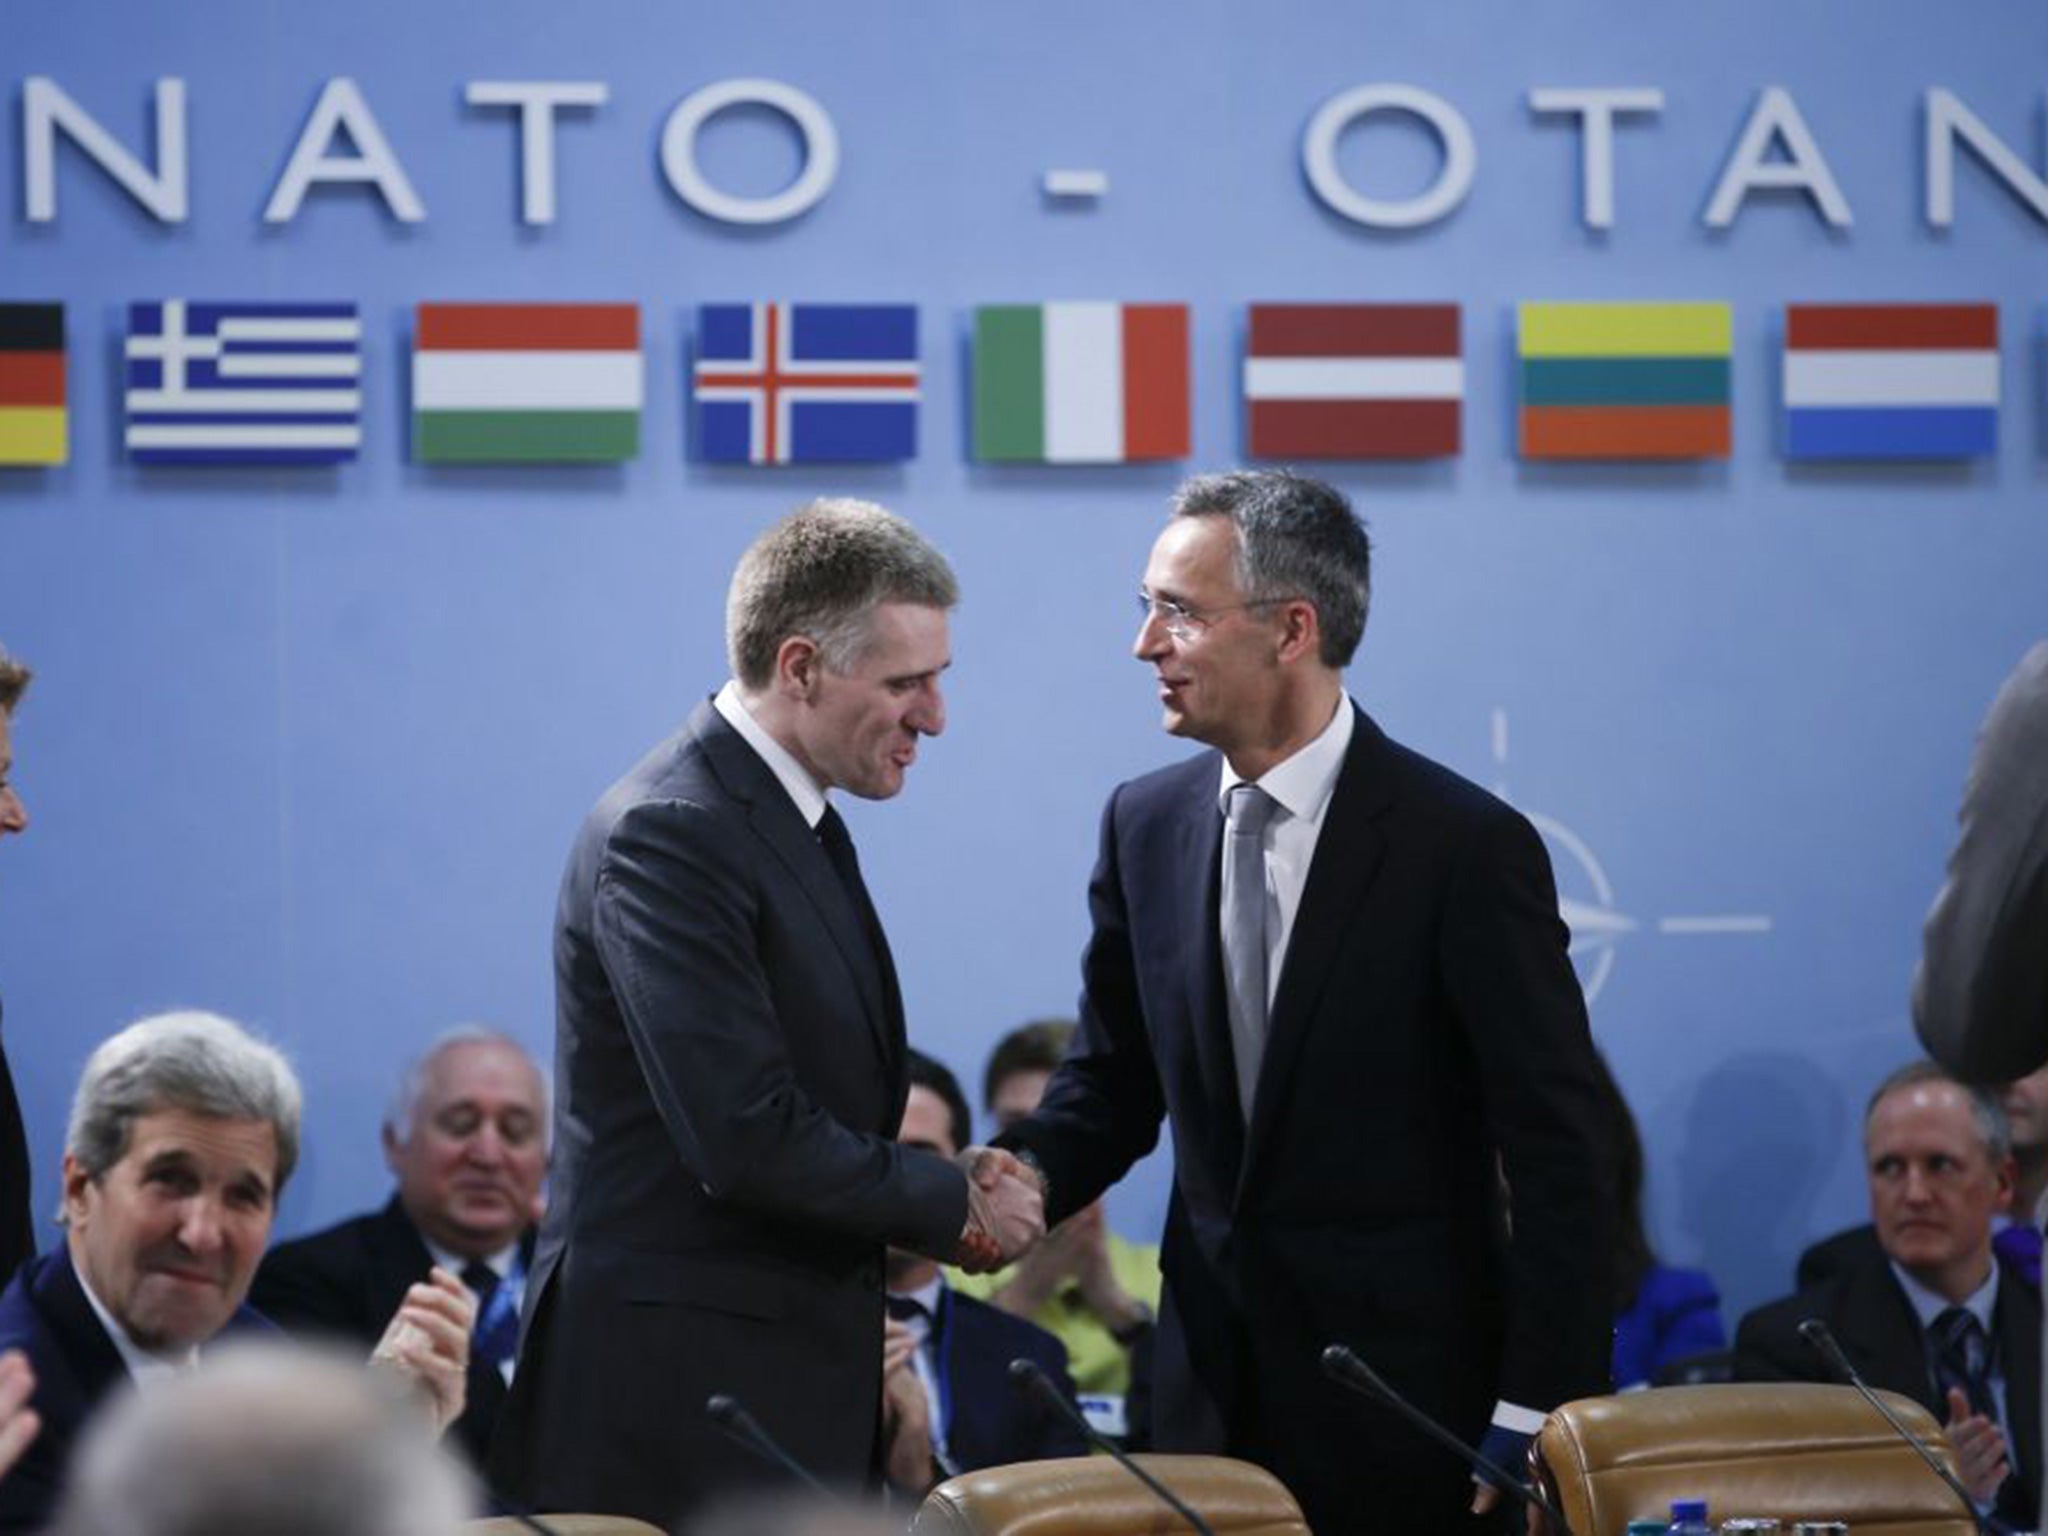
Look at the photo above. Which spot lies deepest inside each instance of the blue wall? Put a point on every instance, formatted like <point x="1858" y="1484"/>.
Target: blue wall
<point x="309" y="748"/>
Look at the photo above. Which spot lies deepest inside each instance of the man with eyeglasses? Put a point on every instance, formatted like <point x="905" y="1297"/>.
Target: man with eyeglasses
<point x="1338" y="970"/>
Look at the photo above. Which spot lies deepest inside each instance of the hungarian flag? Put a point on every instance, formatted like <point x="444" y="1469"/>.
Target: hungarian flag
<point x="1353" y="381"/>
<point x="1080" y="383"/>
<point x="526" y="383"/>
<point x="1625" y="381"/>
<point x="1891" y="381"/>
<point x="32" y="423"/>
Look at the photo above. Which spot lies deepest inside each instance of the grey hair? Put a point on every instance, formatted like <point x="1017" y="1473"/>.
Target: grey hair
<point x="821" y="572"/>
<point x="1296" y="537"/>
<point x="197" y="1062"/>
<point x="266" y="1437"/>
<point x="404" y="1108"/>
<point x="1989" y="1114"/>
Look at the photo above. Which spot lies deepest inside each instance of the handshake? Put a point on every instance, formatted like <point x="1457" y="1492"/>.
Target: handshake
<point x="1005" y="1210"/>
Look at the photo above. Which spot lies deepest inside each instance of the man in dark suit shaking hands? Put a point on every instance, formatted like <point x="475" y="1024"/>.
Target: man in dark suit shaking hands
<point x="730" y="1067"/>
<point x="1338" y="970"/>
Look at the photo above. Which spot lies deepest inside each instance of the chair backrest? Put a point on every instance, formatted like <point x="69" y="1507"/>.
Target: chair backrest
<point x="1790" y="1450"/>
<point x="1093" y="1496"/>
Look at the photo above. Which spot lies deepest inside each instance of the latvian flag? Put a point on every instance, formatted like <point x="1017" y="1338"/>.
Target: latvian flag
<point x="1080" y="383"/>
<point x="32" y="426"/>
<point x="806" y="383"/>
<point x="244" y="383"/>
<point x="1353" y="381"/>
<point x="1891" y="381"/>
<point x="1625" y="381"/>
<point x="526" y="383"/>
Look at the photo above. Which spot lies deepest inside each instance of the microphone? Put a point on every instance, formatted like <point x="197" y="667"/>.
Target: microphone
<point x="730" y="1415"/>
<point x="1343" y="1366"/>
<point x="1817" y="1333"/>
<point x="1034" y="1382"/>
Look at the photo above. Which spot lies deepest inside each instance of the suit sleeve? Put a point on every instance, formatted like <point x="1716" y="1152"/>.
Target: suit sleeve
<point x="1980" y="1000"/>
<point x="676" y="924"/>
<point x="1513" y="990"/>
<point x="305" y="1296"/>
<point x="1102" y="1110"/>
<point x="1767" y="1348"/>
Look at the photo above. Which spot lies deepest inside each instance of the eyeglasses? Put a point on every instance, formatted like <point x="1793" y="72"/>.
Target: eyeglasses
<point x="1183" y="622"/>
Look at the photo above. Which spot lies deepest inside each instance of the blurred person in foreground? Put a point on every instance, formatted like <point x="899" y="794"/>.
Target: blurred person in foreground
<point x="17" y="1222"/>
<point x="266" y="1439"/>
<point x="183" y="1132"/>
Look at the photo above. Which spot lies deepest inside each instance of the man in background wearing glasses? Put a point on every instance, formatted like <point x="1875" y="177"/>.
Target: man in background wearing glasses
<point x="1338" y="969"/>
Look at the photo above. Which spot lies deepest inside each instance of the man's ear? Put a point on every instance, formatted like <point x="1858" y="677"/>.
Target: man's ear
<point x="2008" y="1185"/>
<point x="798" y="663"/>
<point x="392" y="1147"/>
<point x="1301" y="630"/>
<point x="76" y="1182"/>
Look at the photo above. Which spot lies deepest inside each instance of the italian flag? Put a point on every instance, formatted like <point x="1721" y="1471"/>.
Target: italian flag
<point x="526" y="383"/>
<point x="1080" y="383"/>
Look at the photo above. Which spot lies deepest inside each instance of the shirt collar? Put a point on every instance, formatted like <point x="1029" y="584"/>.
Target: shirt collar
<point x="926" y="1295"/>
<point x="791" y="774"/>
<point x="146" y="1367"/>
<point x="1304" y="782"/>
<point x="1928" y="1305"/>
<point x="499" y="1263"/>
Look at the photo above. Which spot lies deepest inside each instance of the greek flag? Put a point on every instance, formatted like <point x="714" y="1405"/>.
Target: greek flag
<point x="244" y="383"/>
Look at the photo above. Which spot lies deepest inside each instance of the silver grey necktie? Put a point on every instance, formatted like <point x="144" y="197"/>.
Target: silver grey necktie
<point x="1250" y="808"/>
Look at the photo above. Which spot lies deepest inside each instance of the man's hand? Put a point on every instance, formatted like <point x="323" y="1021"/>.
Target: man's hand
<point x="19" y="1423"/>
<point x="906" y="1416"/>
<point x="1005" y="1210"/>
<point x="427" y="1344"/>
<point x="1982" y="1462"/>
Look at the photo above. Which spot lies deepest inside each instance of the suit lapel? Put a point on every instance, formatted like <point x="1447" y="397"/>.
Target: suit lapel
<point x="776" y="821"/>
<point x="1348" y="853"/>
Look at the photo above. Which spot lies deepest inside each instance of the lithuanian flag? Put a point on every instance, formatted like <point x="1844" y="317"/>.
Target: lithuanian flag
<point x="1625" y="381"/>
<point x="32" y="424"/>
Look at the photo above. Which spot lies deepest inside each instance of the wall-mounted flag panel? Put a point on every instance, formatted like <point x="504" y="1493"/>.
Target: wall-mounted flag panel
<point x="32" y="424"/>
<point x="243" y="383"/>
<point x="1625" y="381"/>
<point x="1080" y="383"/>
<point x="806" y="383"/>
<point x="526" y="383"/>
<point x="1353" y="381"/>
<point x="1891" y="381"/>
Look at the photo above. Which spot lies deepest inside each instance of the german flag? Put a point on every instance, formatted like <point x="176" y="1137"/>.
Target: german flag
<point x="32" y="426"/>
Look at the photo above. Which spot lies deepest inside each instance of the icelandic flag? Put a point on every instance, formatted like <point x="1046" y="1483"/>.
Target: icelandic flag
<point x="806" y="383"/>
<point x="1891" y="381"/>
<point x="244" y="383"/>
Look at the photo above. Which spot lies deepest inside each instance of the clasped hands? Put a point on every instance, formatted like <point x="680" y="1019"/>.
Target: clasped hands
<point x="1005" y="1209"/>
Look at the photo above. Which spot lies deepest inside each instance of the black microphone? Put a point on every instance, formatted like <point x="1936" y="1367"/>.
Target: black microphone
<point x="1816" y="1333"/>
<point x="1343" y="1366"/>
<point x="730" y="1415"/>
<point x="1030" y="1379"/>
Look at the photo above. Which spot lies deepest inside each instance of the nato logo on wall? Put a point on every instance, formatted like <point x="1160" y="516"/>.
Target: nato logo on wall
<point x="1625" y="380"/>
<point x="1080" y="383"/>
<point x="1353" y="381"/>
<point x="526" y="383"/>
<point x="243" y="383"/>
<point x="1891" y="381"/>
<point x="33" y="429"/>
<point x="806" y="383"/>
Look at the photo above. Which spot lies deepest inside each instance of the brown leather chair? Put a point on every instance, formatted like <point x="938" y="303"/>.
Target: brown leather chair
<point x="564" y="1525"/>
<point x="1789" y="1450"/>
<point x="1093" y="1496"/>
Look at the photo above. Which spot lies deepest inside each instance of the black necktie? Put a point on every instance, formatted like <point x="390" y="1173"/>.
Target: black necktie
<point x="1962" y="1358"/>
<point x="846" y="864"/>
<point x="906" y="1309"/>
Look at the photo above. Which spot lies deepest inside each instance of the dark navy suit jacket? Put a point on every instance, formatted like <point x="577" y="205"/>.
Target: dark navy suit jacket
<point x="993" y="1422"/>
<point x="44" y="1314"/>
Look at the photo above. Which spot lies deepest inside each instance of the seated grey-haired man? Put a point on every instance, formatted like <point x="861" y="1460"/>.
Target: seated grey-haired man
<point x="182" y="1134"/>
